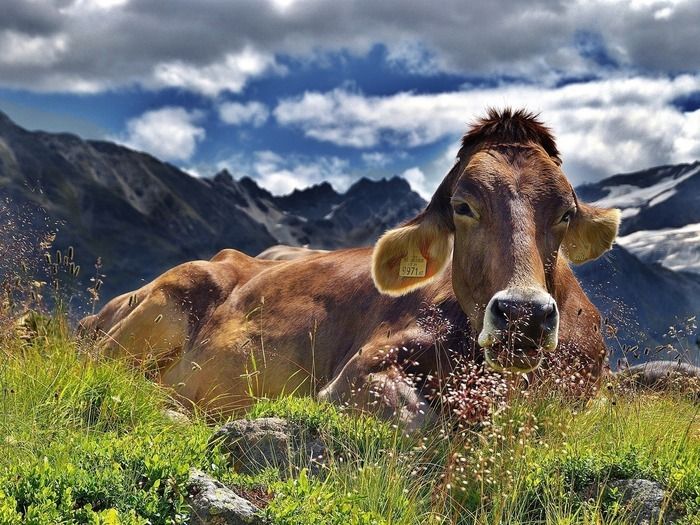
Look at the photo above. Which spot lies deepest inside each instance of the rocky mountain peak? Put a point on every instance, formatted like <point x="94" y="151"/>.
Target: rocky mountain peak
<point x="224" y="177"/>
<point x="372" y="186"/>
<point x="5" y="120"/>
<point x="322" y="191"/>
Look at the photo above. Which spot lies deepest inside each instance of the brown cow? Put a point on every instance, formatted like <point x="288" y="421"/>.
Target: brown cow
<point x="490" y="252"/>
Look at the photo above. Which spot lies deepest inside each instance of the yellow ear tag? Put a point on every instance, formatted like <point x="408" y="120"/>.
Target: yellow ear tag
<point x="413" y="265"/>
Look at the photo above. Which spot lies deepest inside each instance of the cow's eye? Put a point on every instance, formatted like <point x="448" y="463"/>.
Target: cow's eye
<point x="566" y="218"/>
<point x="462" y="208"/>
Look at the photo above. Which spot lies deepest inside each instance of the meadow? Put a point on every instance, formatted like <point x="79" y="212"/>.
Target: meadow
<point x="87" y="440"/>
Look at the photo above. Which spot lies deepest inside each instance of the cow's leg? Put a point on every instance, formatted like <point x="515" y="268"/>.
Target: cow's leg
<point x="374" y="380"/>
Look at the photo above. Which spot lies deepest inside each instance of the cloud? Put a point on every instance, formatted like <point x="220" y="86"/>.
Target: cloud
<point x="223" y="47"/>
<point x="104" y="5"/>
<point x="229" y="74"/>
<point x="21" y="48"/>
<point x="282" y="174"/>
<point x="418" y="181"/>
<point x="235" y="113"/>
<point x="380" y="159"/>
<point x="603" y="127"/>
<point x="170" y="133"/>
<point x="351" y="119"/>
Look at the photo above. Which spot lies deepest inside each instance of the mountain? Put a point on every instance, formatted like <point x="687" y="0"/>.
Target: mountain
<point x="651" y="280"/>
<point x="660" y="210"/>
<point x="142" y="216"/>
<point x="641" y="301"/>
<point x="319" y="216"/>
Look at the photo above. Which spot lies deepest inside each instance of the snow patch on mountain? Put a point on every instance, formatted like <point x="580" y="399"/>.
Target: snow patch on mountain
<point x="660" y="213"/>
<point x="677" y="249"/>
<point x="632" y="198"/>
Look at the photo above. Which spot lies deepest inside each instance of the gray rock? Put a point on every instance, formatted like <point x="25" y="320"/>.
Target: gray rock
<point x="213" y="503"/>
<point x="175" y="416"/>
<point x="643" y="500"/>
<point x="663" y="375"/>
<point x="253" y="445"/>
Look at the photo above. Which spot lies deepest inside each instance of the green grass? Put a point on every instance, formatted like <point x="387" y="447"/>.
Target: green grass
<point x="85" y="441"/>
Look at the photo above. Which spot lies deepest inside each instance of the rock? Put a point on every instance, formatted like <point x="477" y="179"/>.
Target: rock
<point x="176" y="416"/>
<point x="253" y="445"/>
<point x="213" y="503"/>
<point x="663" y="375"/>
<point x="643" y="499"/>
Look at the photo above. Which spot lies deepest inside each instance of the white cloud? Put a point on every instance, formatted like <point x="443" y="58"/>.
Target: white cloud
<point x="229" y="74"/>
<point x="351" y="119"/>
<point x="24" y="49"/>
<point x="169" y="133"/>
<point x="224" y="44"/>
<point x="376" y="159"/>
<point x="104" y="5"/>
<point x="603" y="127"/>
<point x="413" y="56"/>
<point x="281" y="174"/>
<point x="418" y="181"/>
<point x="235" y="113"/>
<point x="687" y="141"/>
<point x="379" y="159"/>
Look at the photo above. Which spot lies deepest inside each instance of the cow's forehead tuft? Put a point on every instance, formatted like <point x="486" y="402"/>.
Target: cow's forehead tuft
<point x="510" y="127"/>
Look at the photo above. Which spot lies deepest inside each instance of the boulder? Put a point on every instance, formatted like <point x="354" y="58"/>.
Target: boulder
<point x="175" y="416"/>
<point x="643" y="500"/>
<point x="213" y="503"/>
<point x="253" y="445"/>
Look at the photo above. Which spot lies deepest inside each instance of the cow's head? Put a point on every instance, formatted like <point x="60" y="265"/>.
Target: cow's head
<point x="506" y="214"/>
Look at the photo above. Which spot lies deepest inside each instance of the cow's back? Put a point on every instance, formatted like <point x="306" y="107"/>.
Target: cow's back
<point x="312" y="312"/>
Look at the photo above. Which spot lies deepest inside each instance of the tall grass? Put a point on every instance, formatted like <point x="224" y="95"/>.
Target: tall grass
<point x="539" y="461"/>
<point x="84" y="440"/>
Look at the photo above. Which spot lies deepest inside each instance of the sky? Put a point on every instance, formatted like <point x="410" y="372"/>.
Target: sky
<point x="296" y="92"/>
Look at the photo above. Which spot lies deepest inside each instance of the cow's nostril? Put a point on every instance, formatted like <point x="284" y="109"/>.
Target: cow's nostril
<point x="525" y="314"/>
<point x="507" y="308"/>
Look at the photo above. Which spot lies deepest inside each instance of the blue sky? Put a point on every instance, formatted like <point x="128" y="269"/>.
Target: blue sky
<point x="295" y="92"/>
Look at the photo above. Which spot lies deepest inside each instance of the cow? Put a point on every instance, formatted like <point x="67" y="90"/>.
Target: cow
<point x="491" y="252"/>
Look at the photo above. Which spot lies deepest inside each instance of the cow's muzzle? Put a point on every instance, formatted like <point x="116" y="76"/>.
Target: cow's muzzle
<point x="519" y="326"/>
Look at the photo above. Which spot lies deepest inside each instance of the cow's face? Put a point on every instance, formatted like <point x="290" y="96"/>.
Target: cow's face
<point x="506" y="213"/>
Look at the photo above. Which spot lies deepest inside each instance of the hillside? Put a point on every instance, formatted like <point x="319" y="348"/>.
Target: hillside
<point x="651" y="280"/>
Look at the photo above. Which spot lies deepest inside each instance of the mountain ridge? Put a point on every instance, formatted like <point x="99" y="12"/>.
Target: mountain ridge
<point x="143" y="216"/>
<point x="661" y="213"/>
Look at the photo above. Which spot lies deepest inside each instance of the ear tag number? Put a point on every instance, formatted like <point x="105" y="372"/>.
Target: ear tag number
<point x="413" y="265"/>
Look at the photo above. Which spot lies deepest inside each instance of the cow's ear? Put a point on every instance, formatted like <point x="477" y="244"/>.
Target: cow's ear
<point x="591" y="233"/>
<point x="411" y="256"/>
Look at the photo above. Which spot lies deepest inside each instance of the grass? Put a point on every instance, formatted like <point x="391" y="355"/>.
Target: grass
<point x="86" y="441"/>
